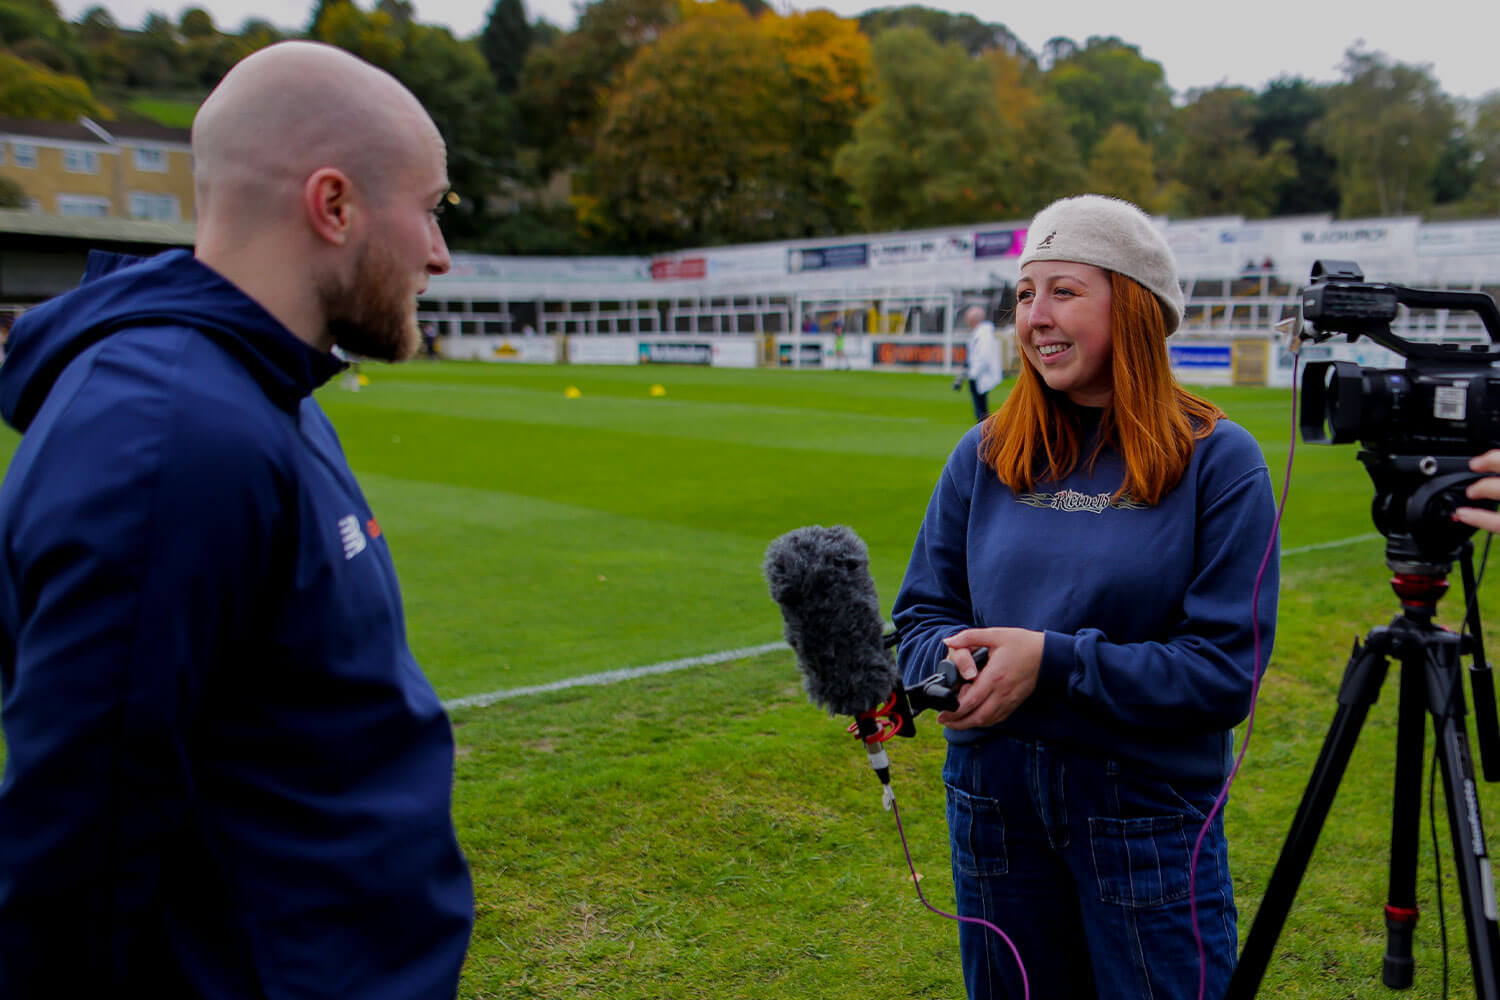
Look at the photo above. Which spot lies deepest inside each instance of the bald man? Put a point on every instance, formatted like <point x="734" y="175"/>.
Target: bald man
<point x="226" y="774"/>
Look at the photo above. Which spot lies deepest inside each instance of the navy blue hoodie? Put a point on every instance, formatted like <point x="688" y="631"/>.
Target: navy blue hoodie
<point x="1149" y="631"/>
<point x="226" y="775"/>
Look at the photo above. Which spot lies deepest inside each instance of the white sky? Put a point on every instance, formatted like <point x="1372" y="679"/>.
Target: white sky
<point x="1199" y="43"/>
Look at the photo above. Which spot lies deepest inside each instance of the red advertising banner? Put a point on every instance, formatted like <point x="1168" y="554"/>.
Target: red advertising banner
<point x="670" y="268"/>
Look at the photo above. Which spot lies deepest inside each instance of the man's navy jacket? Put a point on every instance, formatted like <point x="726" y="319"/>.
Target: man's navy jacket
<point x="226" y="775"/>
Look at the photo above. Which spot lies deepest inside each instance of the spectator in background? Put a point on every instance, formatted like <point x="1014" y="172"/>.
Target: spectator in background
<point x="226" y="775"/>
<point x="982" y="367"/>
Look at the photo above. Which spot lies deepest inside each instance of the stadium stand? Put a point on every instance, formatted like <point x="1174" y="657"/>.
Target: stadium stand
<point x="898" y="295"/>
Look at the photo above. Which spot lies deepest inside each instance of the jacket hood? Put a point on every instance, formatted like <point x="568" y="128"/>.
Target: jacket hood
<point x="170" y="289"/>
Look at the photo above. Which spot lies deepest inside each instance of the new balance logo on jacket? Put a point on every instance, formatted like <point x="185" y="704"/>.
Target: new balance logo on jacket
<point x="352" y="537"/>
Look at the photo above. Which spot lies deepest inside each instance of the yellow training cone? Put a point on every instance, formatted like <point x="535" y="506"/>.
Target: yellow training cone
<point x="658" y="390"/>
<point x="571" y="392"/>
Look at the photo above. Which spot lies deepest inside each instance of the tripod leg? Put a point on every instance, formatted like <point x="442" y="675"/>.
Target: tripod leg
<point x="1475" y="880"/>
<point x="1406" y="817"/>
<point x="1361" y="686"/>
<point x="1481" y="677"/>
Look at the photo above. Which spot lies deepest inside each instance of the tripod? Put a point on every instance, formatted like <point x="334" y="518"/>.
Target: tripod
<point x="1431" y="684"/>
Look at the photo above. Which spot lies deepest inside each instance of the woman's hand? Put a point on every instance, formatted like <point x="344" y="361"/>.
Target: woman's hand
<point x="1006" y="681"/>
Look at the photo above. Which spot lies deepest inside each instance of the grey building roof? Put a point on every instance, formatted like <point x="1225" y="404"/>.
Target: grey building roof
<point x="22" y="223"/>
<point x="123" y="131"/>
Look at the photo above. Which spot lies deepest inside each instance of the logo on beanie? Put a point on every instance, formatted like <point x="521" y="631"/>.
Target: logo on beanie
<point x="1046" y="243"/>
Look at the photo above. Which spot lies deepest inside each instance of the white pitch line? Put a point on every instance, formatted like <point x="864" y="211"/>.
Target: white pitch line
<point x="613" y="676"/>
<point x="1330" y="545"/>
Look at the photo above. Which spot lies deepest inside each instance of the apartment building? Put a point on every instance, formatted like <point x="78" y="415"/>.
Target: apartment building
<point x="85" y="169"/>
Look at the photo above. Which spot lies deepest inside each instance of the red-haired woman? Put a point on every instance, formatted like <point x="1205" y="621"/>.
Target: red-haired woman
<point x="1100" y="535"/>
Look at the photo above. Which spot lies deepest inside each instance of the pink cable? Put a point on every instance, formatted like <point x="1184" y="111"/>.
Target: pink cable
<point x="1258" y="673"/>
<point x="1025" y="984"/>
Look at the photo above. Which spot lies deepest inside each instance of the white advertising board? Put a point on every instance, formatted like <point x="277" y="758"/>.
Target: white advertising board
<point x="600" y="350"/>
<point x="525" y="350"/>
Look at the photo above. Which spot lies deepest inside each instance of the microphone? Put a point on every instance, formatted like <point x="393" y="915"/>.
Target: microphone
<point x="821" y="579"/>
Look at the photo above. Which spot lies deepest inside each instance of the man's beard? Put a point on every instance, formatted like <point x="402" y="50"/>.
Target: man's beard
<point x="373" y="316"/>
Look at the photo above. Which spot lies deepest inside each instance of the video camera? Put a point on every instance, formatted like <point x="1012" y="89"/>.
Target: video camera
<point x="1420" y="424"/>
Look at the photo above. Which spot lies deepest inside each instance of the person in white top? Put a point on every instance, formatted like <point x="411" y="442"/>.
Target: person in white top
<point x="983" y="369"/>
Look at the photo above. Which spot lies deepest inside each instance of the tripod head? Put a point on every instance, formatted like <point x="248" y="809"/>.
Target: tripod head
<point x="1419" y="592"/>
<point x="1415" y="497"/>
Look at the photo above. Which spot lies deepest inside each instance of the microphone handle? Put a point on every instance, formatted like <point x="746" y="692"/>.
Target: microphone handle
<point x="940" y="690"/>
<point x="952" y="679"/>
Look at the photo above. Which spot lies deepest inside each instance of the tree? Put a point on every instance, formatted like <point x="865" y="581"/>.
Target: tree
<point x="12" y="195"/>
<point x="399" y="11"/>
<point x="35" y="32"/>
<point x="154" y="57"/>
<point x="1484" y="138"/>
<point x="975" y="36"/>
<point x="29" y="91"/>
<point x="1454" y="174"/>
<point x="103" y="41"/>
<point x="565" y="86"/>
<point x="1108" y="82"/>
<point x="1046" y="164"/>
<point x="694" y="148"/>
<point x="1290" y="111"/>
<point x="1122" y="167"/>
<point x="1218" y="166"/>
<point x="504" y="42"/>
<point x="453" y="83"/>
<point x="196" y="23"/>
<point x="374" y="37"/>
<point x="1386" y="127"/>
<point x="829" y="60"/>
<point x="932" y="150"/>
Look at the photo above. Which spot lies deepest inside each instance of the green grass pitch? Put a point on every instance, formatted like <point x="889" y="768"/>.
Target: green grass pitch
<point x="707" y="833"/>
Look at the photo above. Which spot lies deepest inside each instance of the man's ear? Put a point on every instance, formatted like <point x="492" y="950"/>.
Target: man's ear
<point x="328" y="199"/>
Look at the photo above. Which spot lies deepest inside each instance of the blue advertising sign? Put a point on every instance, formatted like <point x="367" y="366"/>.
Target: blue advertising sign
<point x="1000" y="243"/>
<point x="828" y="258"/>
<point x="1199" y="355"/>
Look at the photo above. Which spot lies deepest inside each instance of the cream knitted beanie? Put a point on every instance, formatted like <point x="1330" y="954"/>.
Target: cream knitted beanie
<point x="1114" y="235"/>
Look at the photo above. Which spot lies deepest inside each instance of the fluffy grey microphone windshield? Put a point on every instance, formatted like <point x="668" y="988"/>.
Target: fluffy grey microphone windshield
<point x="821" y="578"/>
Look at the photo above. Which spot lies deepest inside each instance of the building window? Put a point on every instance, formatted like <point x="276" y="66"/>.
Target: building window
<point x="25" y="154"/>
<point x="83" y="205"/>
<point x="80" y="161"/>
<point x="151" y="159"/>
<point x="162" y="207"/>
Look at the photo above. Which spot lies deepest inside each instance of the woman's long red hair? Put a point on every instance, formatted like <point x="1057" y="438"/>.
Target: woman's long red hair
<point x="1154" y="422"/>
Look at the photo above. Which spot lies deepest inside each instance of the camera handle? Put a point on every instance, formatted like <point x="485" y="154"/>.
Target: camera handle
<point x="1431" y="684"/>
